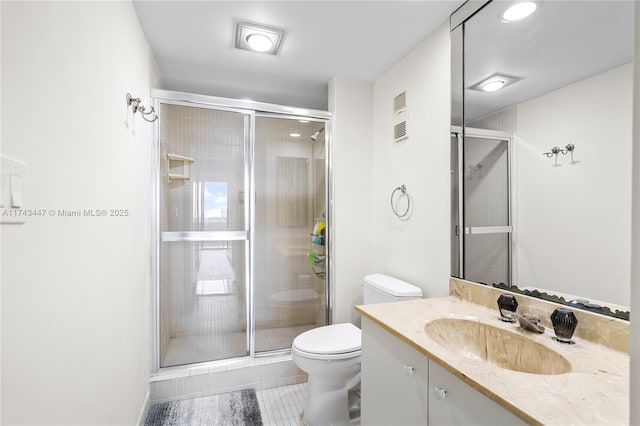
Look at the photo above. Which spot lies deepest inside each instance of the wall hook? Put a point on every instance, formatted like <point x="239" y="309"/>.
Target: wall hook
<point x="554" y="151"/>
<point x="136" y="106"/>
<point x="568" y="148"/>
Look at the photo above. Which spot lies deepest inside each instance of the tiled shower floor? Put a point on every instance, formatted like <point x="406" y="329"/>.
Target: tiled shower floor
<point x="202" y="348"/>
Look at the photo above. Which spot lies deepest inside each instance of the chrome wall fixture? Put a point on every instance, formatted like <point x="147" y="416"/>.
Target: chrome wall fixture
<point x="395" y="200"/>
<point x="557" y="150"/>
<point x="136" y="106"/>
<point x="568" y="149"/>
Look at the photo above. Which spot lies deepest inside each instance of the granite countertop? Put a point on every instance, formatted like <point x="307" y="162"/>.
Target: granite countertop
<point x="594" y="392"/>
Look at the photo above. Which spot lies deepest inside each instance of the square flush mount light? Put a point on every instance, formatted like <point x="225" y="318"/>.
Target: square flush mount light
<point x="258" y="38"/>
<point x="494" y="83"/>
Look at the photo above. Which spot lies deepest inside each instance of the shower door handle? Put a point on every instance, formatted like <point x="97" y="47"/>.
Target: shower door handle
<point x="474" y="230"/>
<point x="204" y="236"/>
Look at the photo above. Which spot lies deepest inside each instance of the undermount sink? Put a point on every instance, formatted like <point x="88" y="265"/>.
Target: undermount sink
<point x="503" y="348"/>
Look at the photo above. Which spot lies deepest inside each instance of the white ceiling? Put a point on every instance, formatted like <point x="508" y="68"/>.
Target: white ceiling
<point x="193" y="44"/>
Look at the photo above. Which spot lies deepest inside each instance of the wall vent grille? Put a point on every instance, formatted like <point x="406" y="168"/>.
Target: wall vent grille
<point x="400" y="102"/>
<point x="400" y="131"/>
<point x="400" y="122"/>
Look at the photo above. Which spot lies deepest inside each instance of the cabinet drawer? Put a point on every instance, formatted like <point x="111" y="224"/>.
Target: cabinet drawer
<point x="453" y="402"/>
<point x="394" y="380"/>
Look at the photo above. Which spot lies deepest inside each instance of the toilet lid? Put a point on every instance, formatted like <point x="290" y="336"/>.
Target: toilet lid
<point x="330" y="339"/>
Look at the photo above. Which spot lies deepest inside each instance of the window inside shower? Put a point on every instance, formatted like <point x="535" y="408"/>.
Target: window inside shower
<point x="238" y="197"/>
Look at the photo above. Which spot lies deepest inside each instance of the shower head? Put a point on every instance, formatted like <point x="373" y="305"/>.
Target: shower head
<point x="314" y="137"/>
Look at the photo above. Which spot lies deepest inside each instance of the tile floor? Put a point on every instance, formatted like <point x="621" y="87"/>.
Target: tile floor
<point x="282" y="406"/>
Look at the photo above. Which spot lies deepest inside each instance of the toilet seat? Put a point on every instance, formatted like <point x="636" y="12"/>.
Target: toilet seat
<point x="338" y="341"/>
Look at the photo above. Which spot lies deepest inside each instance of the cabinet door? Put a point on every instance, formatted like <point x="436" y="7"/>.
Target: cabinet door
<point x="394" y="380"/>
<point x="453" y="402"/>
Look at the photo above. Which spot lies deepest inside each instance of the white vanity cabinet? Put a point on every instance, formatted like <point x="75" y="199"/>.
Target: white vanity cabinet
<point x="401" y="386"/>
<point x="394" y="380"/>
<point x="453" y="402"/>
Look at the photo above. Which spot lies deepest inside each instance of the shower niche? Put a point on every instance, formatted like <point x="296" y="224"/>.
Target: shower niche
<point x="238" y="191"/>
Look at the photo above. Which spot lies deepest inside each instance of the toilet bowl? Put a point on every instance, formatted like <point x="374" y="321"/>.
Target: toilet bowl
<point x="330" y="355"/>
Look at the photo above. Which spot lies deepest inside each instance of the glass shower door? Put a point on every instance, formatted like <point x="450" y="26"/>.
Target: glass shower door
<point x="487" y="219"/>
<point x="290" y="202"/>
<point x="204" y="232"/>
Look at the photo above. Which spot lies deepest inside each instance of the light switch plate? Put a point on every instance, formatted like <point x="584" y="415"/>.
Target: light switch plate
<point x="12" y="172"/>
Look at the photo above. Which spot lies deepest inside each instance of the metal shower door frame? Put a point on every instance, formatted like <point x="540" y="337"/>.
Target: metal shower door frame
<point x="251" y="109"/>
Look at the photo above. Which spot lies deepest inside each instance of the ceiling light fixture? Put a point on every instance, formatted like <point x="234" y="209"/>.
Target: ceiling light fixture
<point x="494" y="83"/>
<point x="294" y="135"/>
<point x="259" y="42"/>
<point x="258" y="37"/>
<point x="519" y="10"/>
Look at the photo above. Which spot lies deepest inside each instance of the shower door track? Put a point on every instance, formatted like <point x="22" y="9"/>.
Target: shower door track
<point x="252" y="109"/>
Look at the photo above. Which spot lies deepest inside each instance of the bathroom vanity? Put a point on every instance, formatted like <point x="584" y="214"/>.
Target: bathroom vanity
<point x="403" y="387"/>
<point x="423" y="362"/>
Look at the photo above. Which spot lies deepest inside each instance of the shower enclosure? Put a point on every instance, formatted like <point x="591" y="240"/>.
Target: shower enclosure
<point x="481" y="238"/>
<point x="240" y="189"/>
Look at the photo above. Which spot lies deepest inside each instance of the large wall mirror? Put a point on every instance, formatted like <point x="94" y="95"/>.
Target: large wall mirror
<point x="541" y="149"/>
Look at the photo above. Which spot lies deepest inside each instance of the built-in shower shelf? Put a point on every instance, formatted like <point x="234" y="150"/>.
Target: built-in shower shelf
<point x="185" y="162"/>
<point x="175" y="176"/>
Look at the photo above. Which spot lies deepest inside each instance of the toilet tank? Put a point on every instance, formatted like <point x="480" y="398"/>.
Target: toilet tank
<point x="380" y="288"/>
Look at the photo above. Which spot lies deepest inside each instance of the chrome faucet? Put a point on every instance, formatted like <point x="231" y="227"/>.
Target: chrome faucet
<point x="528" y="323"/>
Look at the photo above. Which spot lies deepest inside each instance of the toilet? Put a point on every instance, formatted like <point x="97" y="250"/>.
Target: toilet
<point x="330" y="355"/>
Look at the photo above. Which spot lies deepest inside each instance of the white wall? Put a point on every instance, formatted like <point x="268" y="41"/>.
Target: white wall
<point x="416" y="250"/>
<point x="635" y="247"/>
<point x="353" y="228"/>
<point x="75" y="290"/>
<point x="573" y="221"/>
<point x="368" y="165"/>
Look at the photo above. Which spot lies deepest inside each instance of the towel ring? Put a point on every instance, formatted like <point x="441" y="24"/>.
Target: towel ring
<point x="404" y="194"/>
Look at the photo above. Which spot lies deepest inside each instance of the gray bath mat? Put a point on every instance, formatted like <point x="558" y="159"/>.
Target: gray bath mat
<point x="229" y="409"/>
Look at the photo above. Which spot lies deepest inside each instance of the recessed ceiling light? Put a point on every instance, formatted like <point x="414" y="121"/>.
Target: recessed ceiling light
<point x="494" y="83"/>
<point x="258" y="37"/>
<point x="294" y="135"/>
<point x="492" y="86"/>
<point x="259" y="42"/>
<point x="519" y="10"/>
